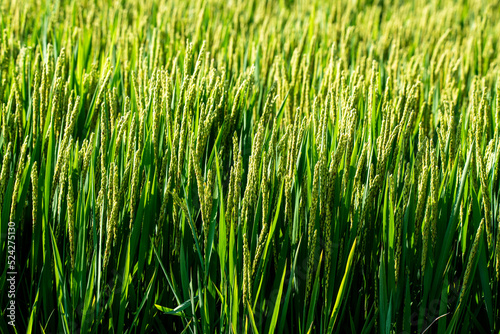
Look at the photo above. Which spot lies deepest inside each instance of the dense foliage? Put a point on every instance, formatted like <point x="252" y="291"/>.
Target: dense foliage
<point x="251" y="166"/>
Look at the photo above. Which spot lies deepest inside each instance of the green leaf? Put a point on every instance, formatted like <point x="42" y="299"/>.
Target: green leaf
<point x="274" y="318"/>
<point x="179" y="310"/>
<point x="342" y="290"/>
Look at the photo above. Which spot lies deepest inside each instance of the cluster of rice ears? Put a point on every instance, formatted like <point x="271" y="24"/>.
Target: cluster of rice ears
<point x="257" y="166"/>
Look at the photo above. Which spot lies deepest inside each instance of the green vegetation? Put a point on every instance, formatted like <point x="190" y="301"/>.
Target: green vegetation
<point x="217" y="166"/>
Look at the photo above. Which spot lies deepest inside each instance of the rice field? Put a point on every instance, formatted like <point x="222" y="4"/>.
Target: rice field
<point x="257" y="166"/>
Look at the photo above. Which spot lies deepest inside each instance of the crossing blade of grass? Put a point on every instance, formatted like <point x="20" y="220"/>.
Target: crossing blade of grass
<point x="30" y="328"/>
<point x="274" y="318"/>
<point x="343" y="289"/>
<point x="176" y="296"/>
<point x="252" y="319"/>
<point x="273" y="225"/>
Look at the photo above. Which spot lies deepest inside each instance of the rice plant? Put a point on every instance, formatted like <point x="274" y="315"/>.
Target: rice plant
<point x="256" y="166"/>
